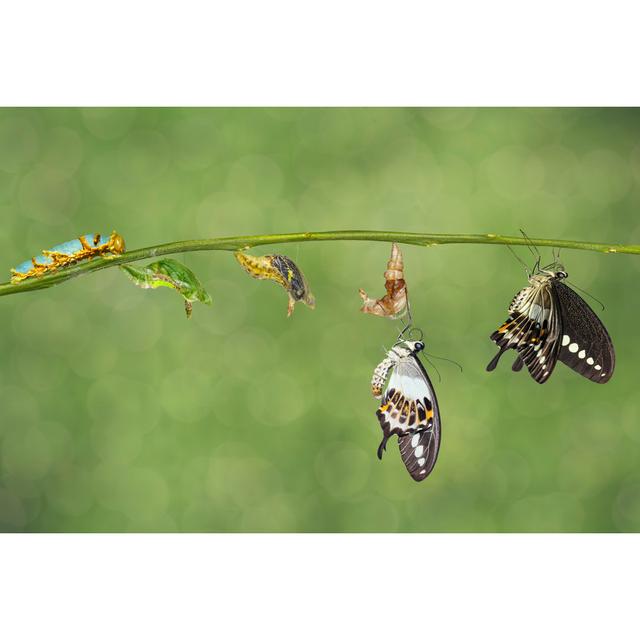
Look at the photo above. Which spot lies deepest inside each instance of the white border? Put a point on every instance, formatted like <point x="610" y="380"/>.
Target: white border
<point x="333" y="52"/>
<point x="319" y="586"/>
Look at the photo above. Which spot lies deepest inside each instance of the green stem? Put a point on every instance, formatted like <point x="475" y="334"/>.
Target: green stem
<point x="244" y="242"/>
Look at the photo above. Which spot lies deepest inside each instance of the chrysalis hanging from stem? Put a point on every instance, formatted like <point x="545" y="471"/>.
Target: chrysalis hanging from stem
<point x="173" y="274"/>
<point x="394" y="303"/>
<point x="282" y="270"/>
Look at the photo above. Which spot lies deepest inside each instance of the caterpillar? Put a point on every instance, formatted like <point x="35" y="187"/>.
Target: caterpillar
<point x="83" y="248"/>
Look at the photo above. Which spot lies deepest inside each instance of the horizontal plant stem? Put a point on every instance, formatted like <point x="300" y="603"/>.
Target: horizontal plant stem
<point x="246" y="242"/>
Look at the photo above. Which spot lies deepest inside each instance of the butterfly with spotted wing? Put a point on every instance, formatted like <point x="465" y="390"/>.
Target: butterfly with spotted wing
<point x="548" y="321"/>
<point x="409" y="408"/>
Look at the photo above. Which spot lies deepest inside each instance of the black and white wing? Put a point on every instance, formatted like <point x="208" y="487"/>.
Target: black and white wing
<point x="585" y="344"/>
<point x="533" y="329"/>
<point x="409" y="409"/>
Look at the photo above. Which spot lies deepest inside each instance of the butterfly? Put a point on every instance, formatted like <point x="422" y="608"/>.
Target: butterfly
<point x="548" y="321"/>
<point x="408" y="409"/>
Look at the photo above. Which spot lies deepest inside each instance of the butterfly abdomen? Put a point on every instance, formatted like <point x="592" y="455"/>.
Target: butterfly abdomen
<point x="380" y="375"/>
<point x="518" y="299"/>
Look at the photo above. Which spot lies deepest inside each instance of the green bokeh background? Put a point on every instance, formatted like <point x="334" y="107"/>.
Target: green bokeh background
<point x="118" y="414"/>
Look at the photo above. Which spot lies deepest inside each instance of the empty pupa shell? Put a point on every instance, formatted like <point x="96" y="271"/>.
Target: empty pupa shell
<point x="394" y="303"/>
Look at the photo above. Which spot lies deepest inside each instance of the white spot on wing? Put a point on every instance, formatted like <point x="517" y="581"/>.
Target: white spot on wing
<point x="415" y="440"/>
<point x="582" y="354"/>
<point x="590" y="360"/>
<point x="597" y="367"/>
<point x="565" y="340"/>
<point x="421" y="462"/>
<point x="418" y="452"/>
<point x="573" y="347"/>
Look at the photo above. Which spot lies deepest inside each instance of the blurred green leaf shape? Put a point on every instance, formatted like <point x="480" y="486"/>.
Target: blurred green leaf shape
<point x="173" y="274"/>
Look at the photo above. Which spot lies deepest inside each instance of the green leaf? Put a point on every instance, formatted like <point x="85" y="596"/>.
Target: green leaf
<point x="173" y="274"/>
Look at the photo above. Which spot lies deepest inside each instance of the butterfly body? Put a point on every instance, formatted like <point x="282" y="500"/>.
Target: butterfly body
<point x="547" y="322"/>
<point x="409" y="408"/>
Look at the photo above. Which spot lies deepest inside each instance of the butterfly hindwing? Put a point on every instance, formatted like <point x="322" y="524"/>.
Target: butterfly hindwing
<point x="532" y="329"/>
<point x="585" y="345"/>
<point x="419" y="452"/>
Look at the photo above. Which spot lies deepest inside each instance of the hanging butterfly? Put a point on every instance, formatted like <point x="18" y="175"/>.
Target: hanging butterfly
<point x="548" y="321"/>
<point x="409" y="408"/>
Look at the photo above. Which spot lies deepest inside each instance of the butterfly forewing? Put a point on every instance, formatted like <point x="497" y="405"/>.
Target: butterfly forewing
<point x="585" y="345"/>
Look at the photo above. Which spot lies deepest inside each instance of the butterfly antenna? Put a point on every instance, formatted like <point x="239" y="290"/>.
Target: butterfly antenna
<point x="457" y="364"/>
<point x="434" y="366"/>
<point x="575" y="286"/>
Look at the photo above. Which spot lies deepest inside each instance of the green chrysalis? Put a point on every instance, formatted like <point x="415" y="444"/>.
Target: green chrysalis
<point x="173" y="274"/>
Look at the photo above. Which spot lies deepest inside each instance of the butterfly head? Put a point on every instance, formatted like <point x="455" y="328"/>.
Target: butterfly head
<point x="415" y="345"/>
